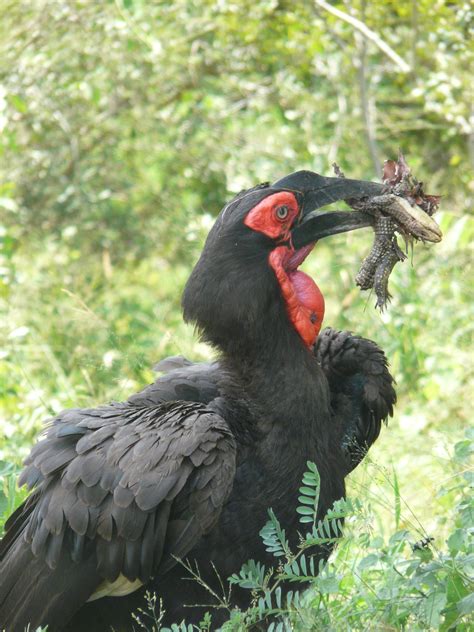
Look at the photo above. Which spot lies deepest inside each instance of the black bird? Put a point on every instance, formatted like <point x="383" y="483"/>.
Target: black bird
<point x="187" y="468"/>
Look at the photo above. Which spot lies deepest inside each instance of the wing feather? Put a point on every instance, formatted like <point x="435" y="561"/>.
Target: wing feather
<point x="362" y="393"/>
<point x="136" y="486"/>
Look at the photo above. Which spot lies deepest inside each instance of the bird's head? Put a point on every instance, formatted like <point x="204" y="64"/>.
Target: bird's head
<point x="246" y="286"/>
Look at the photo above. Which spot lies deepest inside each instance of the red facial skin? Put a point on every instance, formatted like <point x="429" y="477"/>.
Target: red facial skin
<point x="263" y="217"/>
<point x="304" y="301"/>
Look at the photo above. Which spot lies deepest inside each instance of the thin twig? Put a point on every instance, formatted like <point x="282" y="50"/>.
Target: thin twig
<point x="414" y="31"/>
<point x="365" y="104"/>
<point x="366" y="32"/>
<point x="139" y="34"/>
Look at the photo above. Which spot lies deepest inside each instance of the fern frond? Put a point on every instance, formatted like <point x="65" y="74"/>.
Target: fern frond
<point x="274" y="537"/>
<point x="251" y="576"/>
<point x="309" y="494"/>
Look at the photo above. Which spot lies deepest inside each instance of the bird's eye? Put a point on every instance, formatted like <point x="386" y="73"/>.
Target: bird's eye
<point x="281" y="212"/>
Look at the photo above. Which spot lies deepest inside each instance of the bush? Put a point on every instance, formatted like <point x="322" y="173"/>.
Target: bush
<point x="407" y="581"/>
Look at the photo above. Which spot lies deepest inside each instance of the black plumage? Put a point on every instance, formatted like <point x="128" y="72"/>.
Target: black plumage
<point x="188" y="467"/>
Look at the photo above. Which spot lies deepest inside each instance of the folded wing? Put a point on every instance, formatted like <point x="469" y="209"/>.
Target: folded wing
<point x="362" y="392"/>
<point x="123" y="489"/>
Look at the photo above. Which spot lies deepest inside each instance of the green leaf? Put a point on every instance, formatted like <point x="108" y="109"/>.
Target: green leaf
<point x="306" y="501"/>
<point x="456" y="541"/>
<point x="455" y="588"/>
<point x="328" y="585"/>
<point x="305" y="511"/>
<point x="466" y="605"/>
<point x="278" y="597"/>
<point x="308" y="491"/>
<point x="303" y="566"/>
<point x="463" y="449"/>
<point x="367" y="562"/>
<point x="434" y="603"/>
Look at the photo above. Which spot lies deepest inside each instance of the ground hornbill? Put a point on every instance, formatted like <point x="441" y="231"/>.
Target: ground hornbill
<point x="188" y="467"/>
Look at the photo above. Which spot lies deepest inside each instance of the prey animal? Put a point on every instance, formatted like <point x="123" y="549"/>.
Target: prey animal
<point x="403" y="207"/>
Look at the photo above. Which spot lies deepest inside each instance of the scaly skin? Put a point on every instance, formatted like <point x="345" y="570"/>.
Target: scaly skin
<point x="391" y="213"/>
<point x="377" y="266"/>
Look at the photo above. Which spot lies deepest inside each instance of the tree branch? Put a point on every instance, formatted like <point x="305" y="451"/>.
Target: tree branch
<point x="367" y="110"/>
<point x="367" y="33"/>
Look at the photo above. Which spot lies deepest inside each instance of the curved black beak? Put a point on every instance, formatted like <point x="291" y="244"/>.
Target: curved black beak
<point x="316" y="191"/>
<point x="317" y="225"/>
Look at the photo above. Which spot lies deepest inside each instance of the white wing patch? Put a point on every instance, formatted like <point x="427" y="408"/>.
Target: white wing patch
<point x="119" y="588"/>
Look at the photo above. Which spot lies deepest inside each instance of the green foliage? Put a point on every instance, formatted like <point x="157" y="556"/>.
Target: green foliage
<point x="273" y="537"/>
<point x="170" y="106"/>
<point x="9" y="495"/>
<point x="309" y="498"/>
<point x="252" y="574"/>
<point x="371" y="583"/>
<point x="407" y="581"/>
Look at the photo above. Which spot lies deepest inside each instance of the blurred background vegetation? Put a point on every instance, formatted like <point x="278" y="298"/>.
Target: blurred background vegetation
<point x="126" y="125"/>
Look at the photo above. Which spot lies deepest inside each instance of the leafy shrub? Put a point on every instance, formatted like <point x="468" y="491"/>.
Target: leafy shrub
<point x="409" y="581"/>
